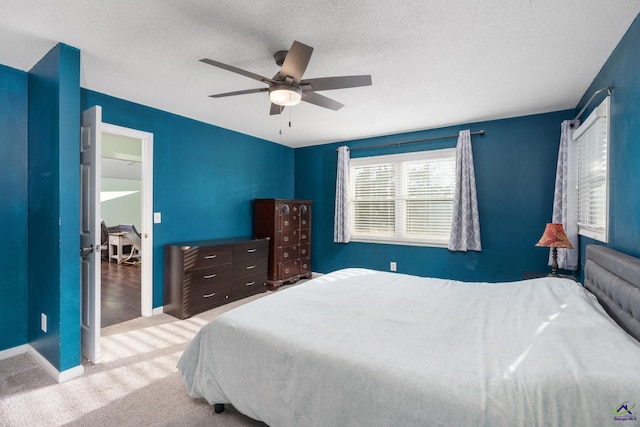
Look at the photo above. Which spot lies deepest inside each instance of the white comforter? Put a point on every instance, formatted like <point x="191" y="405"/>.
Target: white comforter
<point x="364" y="348"/>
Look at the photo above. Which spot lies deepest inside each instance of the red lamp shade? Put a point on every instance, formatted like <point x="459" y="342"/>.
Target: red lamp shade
<point x="554" y="237"/>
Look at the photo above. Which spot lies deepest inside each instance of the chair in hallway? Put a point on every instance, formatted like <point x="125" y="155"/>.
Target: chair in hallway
<point x="130" y="232"/>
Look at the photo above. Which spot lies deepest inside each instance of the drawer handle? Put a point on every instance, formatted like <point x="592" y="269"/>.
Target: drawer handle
<point x="286" y="222"/>
<point x="210" y="256"/>
<point x="285" y="255"/>
<point x="210" y="276"/>
<point x="251" y="251"/>
<point x="304" y="252"/>
<point x="250" y="283"/>
<point x="285" y="238"/>
<point x="303" y="237"/>
<point x="251" y="267"/>
<point x="209" y="295"/>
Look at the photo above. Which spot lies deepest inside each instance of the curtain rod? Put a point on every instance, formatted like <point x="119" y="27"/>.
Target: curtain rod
<point x="397" y="144"/>
<point x="608" y="89"/>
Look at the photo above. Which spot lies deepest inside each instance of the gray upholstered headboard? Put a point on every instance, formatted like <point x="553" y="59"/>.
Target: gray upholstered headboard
<point x="614" y="278"/>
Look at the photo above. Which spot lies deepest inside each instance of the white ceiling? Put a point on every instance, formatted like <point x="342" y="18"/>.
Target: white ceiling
<point x="433" y="63"/>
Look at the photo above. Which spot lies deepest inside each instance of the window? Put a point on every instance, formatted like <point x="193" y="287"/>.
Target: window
<point x="592" y="138"/>
<point x="403" y="198"/>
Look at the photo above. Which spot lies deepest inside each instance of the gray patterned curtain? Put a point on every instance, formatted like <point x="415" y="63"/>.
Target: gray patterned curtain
<point x="465" y="224"/>
<point x="565" y="210"/>
<point x="341" y="231"/>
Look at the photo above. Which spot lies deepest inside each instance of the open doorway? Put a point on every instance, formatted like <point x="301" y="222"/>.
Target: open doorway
<point x="121" y="218"/>
<point x="126" y="209"/>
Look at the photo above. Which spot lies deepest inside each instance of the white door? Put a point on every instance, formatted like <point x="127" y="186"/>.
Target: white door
<point x="90" y="237"/>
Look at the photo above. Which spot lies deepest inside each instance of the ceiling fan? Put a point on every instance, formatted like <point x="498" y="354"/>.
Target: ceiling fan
<point x="287" y="87"/>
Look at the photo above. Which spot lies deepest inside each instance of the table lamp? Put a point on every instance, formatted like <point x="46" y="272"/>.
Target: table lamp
<point x="554" y="237"/>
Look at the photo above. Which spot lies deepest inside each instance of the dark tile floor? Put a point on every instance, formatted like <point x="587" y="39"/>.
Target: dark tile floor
<point x="120" y="292"/>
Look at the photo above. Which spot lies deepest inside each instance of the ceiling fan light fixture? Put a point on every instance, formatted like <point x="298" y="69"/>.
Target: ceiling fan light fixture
<point x="285" y="95"/>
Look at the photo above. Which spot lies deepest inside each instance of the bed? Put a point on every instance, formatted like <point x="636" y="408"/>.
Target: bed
<point x="359" y="347"/>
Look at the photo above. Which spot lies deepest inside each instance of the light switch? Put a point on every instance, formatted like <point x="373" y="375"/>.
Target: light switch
<point x="157" y="217"/>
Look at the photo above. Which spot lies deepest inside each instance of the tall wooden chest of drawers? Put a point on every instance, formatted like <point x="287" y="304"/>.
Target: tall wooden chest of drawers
<point x="199" y="276"/>
<point x="287" y="223"/>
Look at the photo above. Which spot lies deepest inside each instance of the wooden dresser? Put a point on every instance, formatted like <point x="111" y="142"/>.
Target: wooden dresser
<point x="287" y="223"/>
<point x="199" y="276"/>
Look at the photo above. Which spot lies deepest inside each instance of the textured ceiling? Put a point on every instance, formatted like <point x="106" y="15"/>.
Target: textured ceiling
<point x="433" y="63"/>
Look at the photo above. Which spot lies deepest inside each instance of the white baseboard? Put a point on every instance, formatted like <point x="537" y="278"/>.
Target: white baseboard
<point x="14" y="351"/>
<point x="157" y="310"/>
<point x="60" y="377"/>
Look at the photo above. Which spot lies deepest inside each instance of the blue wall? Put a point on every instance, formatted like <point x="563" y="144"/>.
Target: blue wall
<point x="13" y="208"/>
<point x="54" y="201"/>
<point x="621" y="72"/>
<point x="204" y="178"/>
<point x="515" y="164"/>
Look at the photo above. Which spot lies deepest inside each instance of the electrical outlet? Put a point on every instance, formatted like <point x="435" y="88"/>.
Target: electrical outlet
<point x="43" y="322"/>
<point x="157" y="217"/>
<point x="392" y="266"/>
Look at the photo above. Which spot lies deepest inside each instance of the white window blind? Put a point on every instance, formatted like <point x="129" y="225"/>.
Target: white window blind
<point x="593" y="175"/>
<point x="405" y="198"/>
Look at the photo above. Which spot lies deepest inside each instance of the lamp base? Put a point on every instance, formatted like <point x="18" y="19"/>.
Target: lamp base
<point x="554" y="262"/>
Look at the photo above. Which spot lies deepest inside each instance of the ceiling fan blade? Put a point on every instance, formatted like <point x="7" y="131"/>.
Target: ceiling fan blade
<point x="275" y="109"/>
<point x="296" y="61"/>
<point x="238" y="71"/>
<point x="342" y="82"/>
<point x="239" y="92"/>
<point x="321" y="100"/>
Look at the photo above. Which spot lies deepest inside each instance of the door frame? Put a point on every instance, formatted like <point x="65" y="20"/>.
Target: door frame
<point x="146" y="273"/>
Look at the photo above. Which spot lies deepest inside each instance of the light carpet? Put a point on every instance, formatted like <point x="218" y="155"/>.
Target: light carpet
<point x="135" y="384"/>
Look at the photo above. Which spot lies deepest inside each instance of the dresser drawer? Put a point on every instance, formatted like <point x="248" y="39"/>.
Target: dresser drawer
<point x="250" y="267"/>
<point x="251" y="251"/>
<point x="305" y="250"/>
<point x="288" y="222"/>
<point x="202" y="298"/>
<point x="205" y="256"/>
<point x="206" y="276"/>
<point x="288" y="269"/>
<point x="288" y="238"/>
<point x="288" y="253"/>
<point x="285" y="218"/>
<point x="305" y="265"/>
<point x="249" y="285"/>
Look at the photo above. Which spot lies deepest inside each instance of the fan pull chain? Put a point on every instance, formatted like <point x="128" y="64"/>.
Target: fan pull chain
<point x="281" y="110"/>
